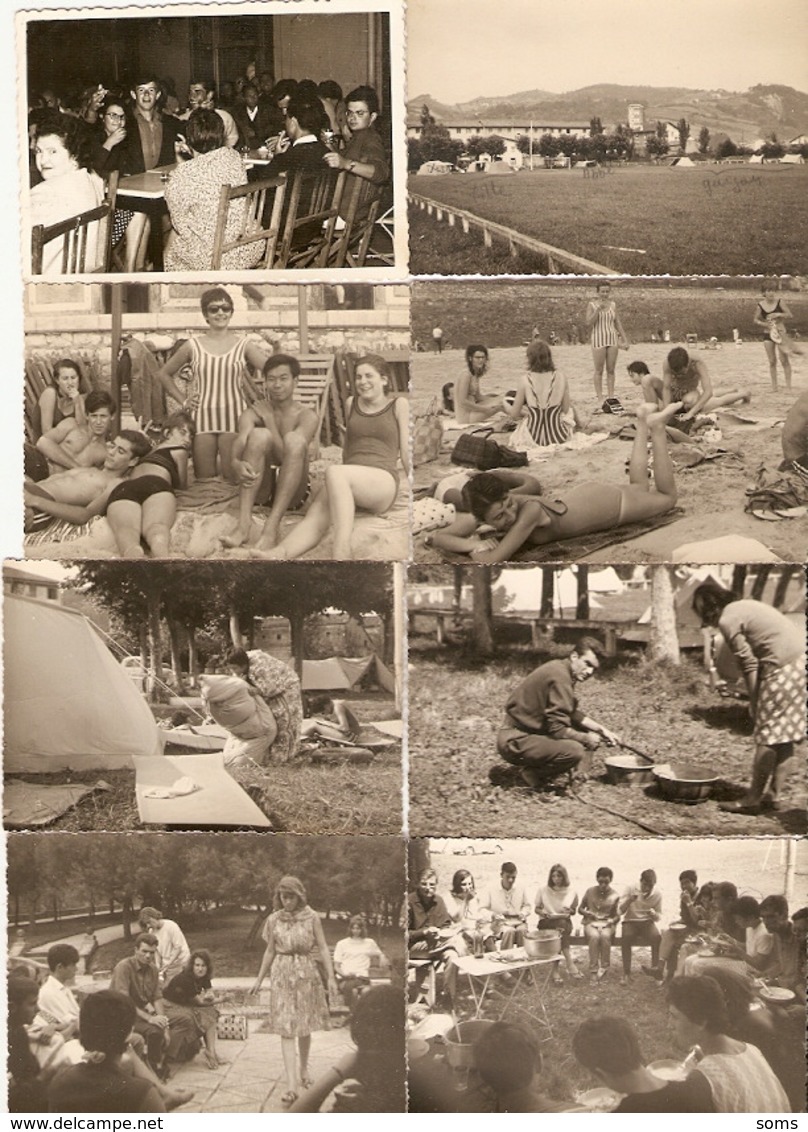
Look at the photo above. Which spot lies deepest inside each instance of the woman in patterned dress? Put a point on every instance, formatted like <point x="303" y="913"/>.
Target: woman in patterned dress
<point x="771" y="653"/>
<point x="192" y="197"/>
<point x="280" y="687"/>
<point x="218" y="358"/>
<point x="607" y="338"/>
<point x="297" y="999"/>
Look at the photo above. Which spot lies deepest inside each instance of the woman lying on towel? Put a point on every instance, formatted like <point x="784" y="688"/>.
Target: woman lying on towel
<point x="520" y="521"/>
<point x="376" y="438"/>
<point x="142" y="507"/>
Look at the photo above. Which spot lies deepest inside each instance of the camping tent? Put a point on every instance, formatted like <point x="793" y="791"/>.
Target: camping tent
<point x="67" y="702"/>
<point x="340" y="673"/>
<point x="433" y="167"/>
<point x="682" y="163"/>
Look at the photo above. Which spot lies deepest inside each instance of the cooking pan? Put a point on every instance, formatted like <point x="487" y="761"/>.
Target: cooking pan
<point x="681" y="782"/>
<point x="634" y="769"/>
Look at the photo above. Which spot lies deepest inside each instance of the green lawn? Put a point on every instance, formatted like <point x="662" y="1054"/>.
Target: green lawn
<point x="711" y="219"/>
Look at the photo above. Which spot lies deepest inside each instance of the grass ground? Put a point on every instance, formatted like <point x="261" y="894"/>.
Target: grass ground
<point x="670" y="713"/>
<point x="649" y="220"/>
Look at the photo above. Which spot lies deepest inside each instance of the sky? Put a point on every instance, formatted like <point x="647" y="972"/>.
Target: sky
<point x="462" y="49"/>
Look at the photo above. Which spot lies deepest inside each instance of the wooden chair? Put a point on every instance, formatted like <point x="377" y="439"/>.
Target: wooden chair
<point x="74" y="233"/>
<point x="312" y="389"/>
<point x="251" y="226"/>
<point x="313" y="206"/>
<point x="352" y="234"/>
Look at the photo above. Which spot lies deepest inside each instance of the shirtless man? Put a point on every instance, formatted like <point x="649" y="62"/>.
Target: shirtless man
<point x="273" y="433"/>
<point x="688" y="380"/>
<point x="81" y="486"/>
<point x="795" y="438"/>
<point x="73" y="445"/>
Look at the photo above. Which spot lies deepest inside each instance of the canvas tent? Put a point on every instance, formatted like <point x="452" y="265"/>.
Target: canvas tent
<point x="682" y="163"/>
<point x="340" y="673"/>
<point x="67" y="703"/>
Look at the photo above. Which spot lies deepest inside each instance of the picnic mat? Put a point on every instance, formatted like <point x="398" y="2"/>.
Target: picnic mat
<point x="27" y="804"/>
<point x="217" y="801"/>
<point x="576" y="549"/>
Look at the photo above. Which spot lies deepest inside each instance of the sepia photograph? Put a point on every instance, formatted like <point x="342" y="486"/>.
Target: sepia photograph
<point x="659" y="700"/>
<point x="565" y="139"/>
<point x="224" y="695"/>
<point x="157" y="973"/>
<point x="610" y="421"/>
<point x="185" y="420"/>
<point x="596" y="975"/>
<point x="191" y="138"/>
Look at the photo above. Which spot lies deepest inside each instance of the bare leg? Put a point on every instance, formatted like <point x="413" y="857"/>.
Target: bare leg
<point x="136" y="240"/>
<point x="226" y="442"/>
<point x="205" y="452"/>
<point x="639" y="500"/>
<point x="289" y="1051"/>
<point x="763" y="768"/>
<point x="599" y="360"/>
<point x="611" y="361"/>
<point x="159" y="512"/>
<point x="304" y="1049"/>
<point x="290" y="488"/>
<point x="259" y="444"/>
<point x="350" y="486"/>
<point x="125" y="517"/>
<point x="771" y="355"/>
<point x="172" y="1098"/>
<point x="785" y="362"/>
<point x="734" y="397"/>
<point x="307" y="534"/>
<point x="784" y="767"/>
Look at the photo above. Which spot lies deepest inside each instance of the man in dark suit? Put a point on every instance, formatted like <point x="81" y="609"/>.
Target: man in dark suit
<point x="150" y="141"/>
<point x="299" y="148"/>
<point x="256" y="122"/>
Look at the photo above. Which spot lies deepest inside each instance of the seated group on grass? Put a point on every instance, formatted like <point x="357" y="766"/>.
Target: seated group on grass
<point x="228" y="431"/>
<point x="76" y="147"/>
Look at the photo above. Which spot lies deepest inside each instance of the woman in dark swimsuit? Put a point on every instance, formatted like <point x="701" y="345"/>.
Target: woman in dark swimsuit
<point x="771" y="314"/>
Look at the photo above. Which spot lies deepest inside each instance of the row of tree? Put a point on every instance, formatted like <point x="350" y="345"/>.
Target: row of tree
<point x="189" y="873"/>
<point x="208" y="606"/>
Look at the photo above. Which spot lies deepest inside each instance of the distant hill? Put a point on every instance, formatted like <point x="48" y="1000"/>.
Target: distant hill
<point x="750" y="114"/>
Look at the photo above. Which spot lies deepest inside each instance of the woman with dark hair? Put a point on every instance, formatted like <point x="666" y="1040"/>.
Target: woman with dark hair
<point x="770" y="651"/>
<point x="543" y="400"/>
<point x="297" y="999"/>
<point x="219" y="358"/>
<point x="67" y="188"/>
<point x="192" y="196"/>
<point x="109" y="134"/>
<point x="522" y="521"/>
<point x="600" y="919"/>
<point x="556" y="904"/>
<point x="739" y="1076"/>
<point x="100" y="1083"/>
<point x="376" y="439"/>
<point x="279" y="686"/>
<point x="608" y="336"/>
<point x="352" y="959"/>
<point x="189" y="996"/>
<point x="60" y="399"/>
<point x="640" y="907"/>
<point x="473" y="923"/>
<point x="470" y="404"/>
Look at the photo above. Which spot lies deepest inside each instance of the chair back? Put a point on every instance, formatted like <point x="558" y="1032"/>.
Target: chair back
<point x="39" y="375"/>
<point x="311" y="213"/>
<point x="75" y="235"/>
<point x="249" y="213"/>
<point x="360" y="209"/>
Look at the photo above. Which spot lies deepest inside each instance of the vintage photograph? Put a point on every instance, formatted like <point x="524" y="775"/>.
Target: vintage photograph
<point x="659" y="700"/>
<point x="220" y="695"/>
<point x="610" y="421"/>
<point x="193" y="138"/>
<point x="607" y="975"/>
<point x="566" y="139"/>
<point x="186" y="420"/>
<point x="157" y="973"/>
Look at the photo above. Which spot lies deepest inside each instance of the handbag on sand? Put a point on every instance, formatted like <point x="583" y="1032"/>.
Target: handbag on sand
<point x="477" y="451"/>
<point x="427" y="435"/>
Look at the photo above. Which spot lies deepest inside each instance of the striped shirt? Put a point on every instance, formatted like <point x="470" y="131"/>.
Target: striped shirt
<point x="604" y="329"/>
<point x="221" y="398"/>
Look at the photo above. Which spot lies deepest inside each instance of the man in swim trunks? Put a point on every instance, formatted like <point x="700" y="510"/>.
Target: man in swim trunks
<point x="795" y="438"/>
<point x="80" y="486"/>
<point x="545" y="733"/>
<point x="688" y="380"/>
<point x="274" y="433"/>
<point x="73" y="445"/>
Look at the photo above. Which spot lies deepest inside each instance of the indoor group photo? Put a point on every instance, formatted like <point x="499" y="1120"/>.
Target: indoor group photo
<point x="405" y="560"/>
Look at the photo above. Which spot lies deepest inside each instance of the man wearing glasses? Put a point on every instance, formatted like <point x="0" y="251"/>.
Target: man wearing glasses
<point x="545" y="734"/>
<point x="363" y="154"/>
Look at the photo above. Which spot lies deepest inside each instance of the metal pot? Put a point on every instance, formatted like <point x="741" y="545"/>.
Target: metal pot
<point x="542" y="944"/>
<point x="680" y="782"/>
<point x="628" y="770"/>
<point x="460" y="1042"/>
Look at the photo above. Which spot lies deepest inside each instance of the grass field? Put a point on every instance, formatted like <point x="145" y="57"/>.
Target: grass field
<point x="712" y="219"/>
<point x="668" y="712"/>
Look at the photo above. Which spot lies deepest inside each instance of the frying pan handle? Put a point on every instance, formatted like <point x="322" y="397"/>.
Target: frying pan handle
<point x="636" y="751"/>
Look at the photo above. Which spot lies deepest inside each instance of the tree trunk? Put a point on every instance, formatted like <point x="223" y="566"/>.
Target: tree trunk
<point x="664" y="642"/>
<point x="481" y="596"/>
<point x="297" y="621"/>
<point x="738" y="579"/>
<point x="193" y="656"/>
<point x="143" y="634"/>
<point x="175" y="635"/>
<point x="547" y="587"/>
<point x="759" y="584"/>
<point x="155" y="644"/>
<point x="126" y="916"/>
<point x="786" y="574"/>
<point x="235" y="630"/>
<point x="582" y="605"/>
<point x="457" y="581"/>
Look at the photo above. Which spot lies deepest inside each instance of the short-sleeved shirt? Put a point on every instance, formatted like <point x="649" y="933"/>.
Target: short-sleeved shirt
<point x="140" y="984"/>
<point x="367" y="148"/>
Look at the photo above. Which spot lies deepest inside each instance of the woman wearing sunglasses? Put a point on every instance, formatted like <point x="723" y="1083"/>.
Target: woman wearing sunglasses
<point x="219" y="359"/>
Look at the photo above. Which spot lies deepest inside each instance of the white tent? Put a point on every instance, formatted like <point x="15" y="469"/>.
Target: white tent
<point x="792" y="159"/>
<point x="66" y="702"/>
<point x="682" y="163"/>
<point x="523" y="588"/>
<point x="433" y="167"/>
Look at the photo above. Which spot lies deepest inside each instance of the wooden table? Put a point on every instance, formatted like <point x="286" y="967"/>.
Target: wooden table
<point x="151" y="185"/>
<point x="531" y="975"/>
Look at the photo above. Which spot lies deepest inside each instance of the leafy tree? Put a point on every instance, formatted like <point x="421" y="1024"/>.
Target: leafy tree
<point x="549" y="146"/>
<point x="773" y="148"/>
<point x="415" y="154"/>
<point x="704" y="140"/>
<point x="726" y="148"/>
<point x="523" y="143"/>
<point x="595" y="127"/>
<point x="427" y="119"/>
<point x="656" y="146"/>
<point x="495" y="145"/>
<point x="683" y="126"/>
<point x="438" y="145"/>
<point x="661" y="131"/>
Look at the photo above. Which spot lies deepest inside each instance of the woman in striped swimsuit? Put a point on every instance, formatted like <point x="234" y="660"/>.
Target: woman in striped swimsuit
<point x="376" y="437"/>
<point x="607" y="338"/>
<point x="218" y="358"/>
